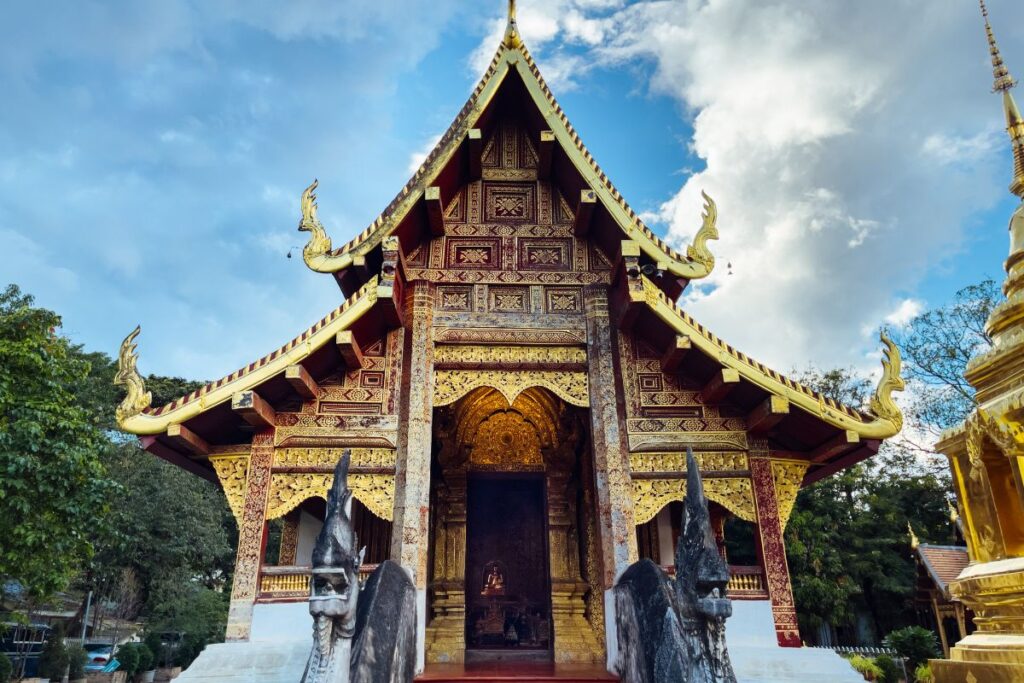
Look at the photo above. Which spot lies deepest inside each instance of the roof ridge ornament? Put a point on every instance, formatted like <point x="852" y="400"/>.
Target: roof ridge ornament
<point x="137" y="398"/>
<point x="698" y="251"/>
<point x="512" y="38"/>
<point x="882" y="404"/>
<point x="319" y="243"/>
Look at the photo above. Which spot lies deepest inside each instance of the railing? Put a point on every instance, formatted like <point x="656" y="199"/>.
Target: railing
<point x="745" y="582"/>
<point x="291" y="583"/>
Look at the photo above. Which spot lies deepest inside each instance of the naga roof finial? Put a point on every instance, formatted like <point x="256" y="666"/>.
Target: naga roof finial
<point x="881" y="404"/>
<point x="512" y="38"/>
<point x="914" y="542"/>
<point x="137" y="398"/>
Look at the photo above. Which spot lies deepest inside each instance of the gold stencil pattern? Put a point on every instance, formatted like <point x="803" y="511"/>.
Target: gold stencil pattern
<point x="451" y="385"/>
<point x="789" y="475"/>
<point x="508" y="354"/>
<point x="650" y="495"/>
<point x="328" y="457"/>
<point x="288" y="491"/>
<point x="231" y="472"/>
<point x="708" y="461"/>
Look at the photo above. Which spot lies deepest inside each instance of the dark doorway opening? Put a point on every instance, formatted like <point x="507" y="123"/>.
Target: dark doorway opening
<point x="508" y="584"/>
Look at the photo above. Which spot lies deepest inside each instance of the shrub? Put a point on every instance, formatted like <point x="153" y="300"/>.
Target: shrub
<point x="6" y="668"/>
<point x="915" y="644"/>
<point x="128" y="656"/>
<point x="866" y="667"/>
<point x="53" y="660"/>
<point x="77" y="657"/>
<point x="146" y="657"/>
<point x="923" y="674"/>
<point x="891" y="671"/>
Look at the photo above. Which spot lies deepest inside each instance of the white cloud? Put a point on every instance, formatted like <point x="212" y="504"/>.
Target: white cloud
<point x="827" y="154"/>
<point x="420" y="155"/>
<point x="907" y="310"/>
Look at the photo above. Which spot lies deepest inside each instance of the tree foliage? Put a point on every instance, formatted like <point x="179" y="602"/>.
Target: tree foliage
<point x="53" y="488"/>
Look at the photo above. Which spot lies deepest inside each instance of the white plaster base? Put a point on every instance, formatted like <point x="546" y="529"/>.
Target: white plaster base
<point x="611" y="631"/>
<point x="282" y="622"/>
<point x="263" y="662"/>
<point x="421" y="629"/>
<point x="757" y="658"/>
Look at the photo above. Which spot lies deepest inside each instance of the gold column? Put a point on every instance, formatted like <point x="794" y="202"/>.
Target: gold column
<point x="446" y="634"/>
<point x="574" y="638"/>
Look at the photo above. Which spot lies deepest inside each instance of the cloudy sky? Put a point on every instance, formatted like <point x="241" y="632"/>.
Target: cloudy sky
<point x="152" y="153"/>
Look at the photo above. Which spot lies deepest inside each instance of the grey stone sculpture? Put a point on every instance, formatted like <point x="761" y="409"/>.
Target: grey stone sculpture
<point x="674" y="630"/>
<point x="359" y="635"/>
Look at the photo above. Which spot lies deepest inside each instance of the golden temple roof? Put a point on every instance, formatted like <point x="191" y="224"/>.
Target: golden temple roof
<point x="511" y="56"/>
<point x="139" y="418"/>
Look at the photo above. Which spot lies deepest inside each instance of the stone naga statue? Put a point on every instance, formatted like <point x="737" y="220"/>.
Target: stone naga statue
<point x="360" y="635"/>
<point x="674" y="630"/>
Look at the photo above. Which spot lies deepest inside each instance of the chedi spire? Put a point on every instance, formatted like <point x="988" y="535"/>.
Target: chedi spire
<point x="1004" y="82"/>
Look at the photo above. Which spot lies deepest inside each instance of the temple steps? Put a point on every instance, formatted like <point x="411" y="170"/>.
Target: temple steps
<point x="502" y="672"/>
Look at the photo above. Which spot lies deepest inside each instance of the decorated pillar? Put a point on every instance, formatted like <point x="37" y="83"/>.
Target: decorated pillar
<point x="612" y="485"/>
<point x="446" y="634"/>
<point x="411" y="529"/>
<point x="574" y="639"/>
<point x="252" y="537"/>
<point x="289" y="546"/>
<point x="771" y="545"/>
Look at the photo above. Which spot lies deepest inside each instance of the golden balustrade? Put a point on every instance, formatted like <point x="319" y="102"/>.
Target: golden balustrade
<point x="291" y="583"/>
<point x="745" y="582"/>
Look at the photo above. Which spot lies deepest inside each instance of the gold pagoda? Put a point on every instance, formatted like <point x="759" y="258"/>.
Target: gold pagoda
<point x="985" y="455"/>
<point x="518" y="387"/>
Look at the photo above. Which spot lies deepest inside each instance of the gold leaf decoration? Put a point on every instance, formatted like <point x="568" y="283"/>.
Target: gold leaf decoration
<point x="789" y="476"/>
<point x="651" y="495"/>
<point x="451" y="385"/>
<point x="231" y="471"/>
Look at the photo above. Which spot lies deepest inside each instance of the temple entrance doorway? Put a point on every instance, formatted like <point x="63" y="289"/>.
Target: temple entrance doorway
<point x="508" y="586"/>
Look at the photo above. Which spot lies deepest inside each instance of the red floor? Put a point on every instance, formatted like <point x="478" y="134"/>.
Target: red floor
<point x="516" y="671"/>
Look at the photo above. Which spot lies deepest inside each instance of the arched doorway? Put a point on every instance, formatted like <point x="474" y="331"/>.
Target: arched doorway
<point x="506" y="547"/>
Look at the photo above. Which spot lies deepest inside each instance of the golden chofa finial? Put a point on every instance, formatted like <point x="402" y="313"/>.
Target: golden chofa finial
<point x="698" y="251"/>
<point x="319" y="243"/>
<point x="1003" y="80"/>
<point x="882" y="405"/>
<point x="512" y="38"/>
<point x="914" y="543"/>
<point x="137" y="399"/>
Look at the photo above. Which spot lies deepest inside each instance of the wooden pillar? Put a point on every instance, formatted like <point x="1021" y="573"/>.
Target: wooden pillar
<point x="612" y="484"/>
<point x="771" y="546"/>
<point x="446" y="634"/>
<point x="411" y="529"/>
<point x="941" y="626"/>
<point x="252" y="538"/>
<point x="289" y="539"/>
<point x="574" y="639"/>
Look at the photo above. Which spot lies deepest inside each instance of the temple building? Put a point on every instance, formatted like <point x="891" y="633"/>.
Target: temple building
<point x="517" y="385"/>
<point x="985" y="455"/>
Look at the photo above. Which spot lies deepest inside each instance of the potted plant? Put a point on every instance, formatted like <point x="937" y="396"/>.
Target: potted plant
<point x="6" y="669"/>
<point x="76" y="664"/>
<point x="128" y="655"/>
<point x="146" y="671"/>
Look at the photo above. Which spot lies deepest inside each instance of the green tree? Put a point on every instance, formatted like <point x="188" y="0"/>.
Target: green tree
<point x="847" y="542"/>
<point x="52" y="489"/>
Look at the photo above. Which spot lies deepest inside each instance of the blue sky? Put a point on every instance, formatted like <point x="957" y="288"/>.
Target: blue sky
<point x="152" y="154"/>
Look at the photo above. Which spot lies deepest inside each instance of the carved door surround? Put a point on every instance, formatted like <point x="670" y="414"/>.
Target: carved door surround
<point x="484" y="433"/>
